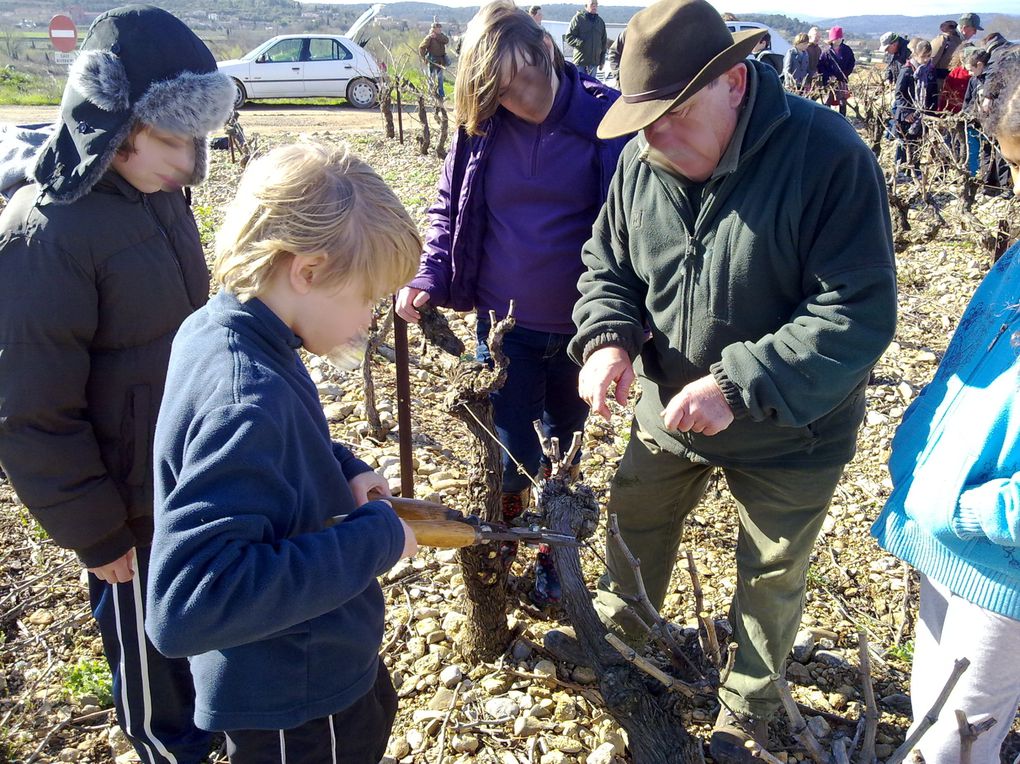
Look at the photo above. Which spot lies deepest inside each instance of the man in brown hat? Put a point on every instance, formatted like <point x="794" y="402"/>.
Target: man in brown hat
<point x="752" y="288"/>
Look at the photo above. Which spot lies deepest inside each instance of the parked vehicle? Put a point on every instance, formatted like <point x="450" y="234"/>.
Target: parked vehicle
<point x="558" y="30"/>
<point x="779" y="44"/>
<point x="307" y="65"/>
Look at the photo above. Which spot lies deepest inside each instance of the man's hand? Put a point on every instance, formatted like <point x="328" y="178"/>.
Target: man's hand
<point x="604" y="366"/>
<point x="369" y="486"/>
<point x="699" y="407"/>
<point x="409" y="300"/>
<point x="120" y="571"/>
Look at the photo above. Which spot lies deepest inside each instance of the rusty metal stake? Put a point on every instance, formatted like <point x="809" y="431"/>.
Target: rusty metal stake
<point x="400" y="137"/>
<point x="403" y="403"/>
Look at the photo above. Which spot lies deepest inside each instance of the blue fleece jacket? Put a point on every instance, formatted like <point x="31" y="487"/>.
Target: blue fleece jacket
<point x="954" y="513"/>
<point x="281" y="616"/>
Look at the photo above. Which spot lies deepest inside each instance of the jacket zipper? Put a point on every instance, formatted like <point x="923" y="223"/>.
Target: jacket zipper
<point x="534" y="150"/>
<point x="166" y="237"/>
<point x="687" y="296"/>
<point x="951" y="405"/>
<point x="688" y="307"/>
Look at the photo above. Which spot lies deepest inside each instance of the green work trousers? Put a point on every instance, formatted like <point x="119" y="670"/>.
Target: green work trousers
<point x="780" y="512"/>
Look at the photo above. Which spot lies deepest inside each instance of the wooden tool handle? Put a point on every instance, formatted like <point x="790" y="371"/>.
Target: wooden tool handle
<point x="409" y="511"/>
<point x="445" y="534"/>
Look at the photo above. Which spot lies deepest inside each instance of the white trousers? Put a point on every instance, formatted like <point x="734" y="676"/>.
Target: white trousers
<point x="949" y="628"/>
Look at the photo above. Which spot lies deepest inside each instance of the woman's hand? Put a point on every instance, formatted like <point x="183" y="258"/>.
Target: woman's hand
<point x="409" y="300"/>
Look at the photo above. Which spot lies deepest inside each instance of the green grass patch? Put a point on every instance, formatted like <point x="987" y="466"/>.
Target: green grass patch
<point x="205" y="218"/>
<point x="90" y="676"/>
<point x="818" y="580"/>
<point x="29" y="523"/>
<point x="22" y="89"/>
<point x="903" y="652"/>
<point x="319" y="101"/>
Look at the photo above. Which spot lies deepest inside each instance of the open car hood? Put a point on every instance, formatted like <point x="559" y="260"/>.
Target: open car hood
<point x="354" y="34"/>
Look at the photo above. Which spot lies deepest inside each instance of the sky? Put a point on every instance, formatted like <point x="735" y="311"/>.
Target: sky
<point x="832" y="8"/>
<point x="835" y="8"/>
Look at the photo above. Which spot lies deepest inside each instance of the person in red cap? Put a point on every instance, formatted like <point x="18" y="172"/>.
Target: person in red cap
<point x="751" y="319"/>
<point x="836" y="64"/>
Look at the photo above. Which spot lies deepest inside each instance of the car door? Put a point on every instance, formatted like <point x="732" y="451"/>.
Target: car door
<point x="279" y="71"/>
<point x="329" y="67"/>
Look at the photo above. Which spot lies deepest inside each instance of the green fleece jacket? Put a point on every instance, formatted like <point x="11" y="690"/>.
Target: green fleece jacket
<point x="776" y="276"/>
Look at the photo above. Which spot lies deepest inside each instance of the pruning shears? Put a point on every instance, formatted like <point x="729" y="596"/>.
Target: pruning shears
<point x="437" y="525"/>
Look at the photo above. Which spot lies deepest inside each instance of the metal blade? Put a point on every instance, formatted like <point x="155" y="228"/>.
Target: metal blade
<point x="527" y="536"/>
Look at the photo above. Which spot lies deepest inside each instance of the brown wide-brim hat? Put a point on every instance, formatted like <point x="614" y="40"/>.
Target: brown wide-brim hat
<point x="674" y="48"/>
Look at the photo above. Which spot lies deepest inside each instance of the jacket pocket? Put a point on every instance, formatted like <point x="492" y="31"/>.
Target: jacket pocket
<point x="718" y="268"/>
<point x="136" y="429"/>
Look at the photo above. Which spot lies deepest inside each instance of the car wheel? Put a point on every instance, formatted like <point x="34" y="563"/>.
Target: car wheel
<point x="361" y="93"/>
<point x="239" y="95"/>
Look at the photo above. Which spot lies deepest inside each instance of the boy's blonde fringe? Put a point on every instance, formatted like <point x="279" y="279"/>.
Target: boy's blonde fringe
<point x="310" y="199"/>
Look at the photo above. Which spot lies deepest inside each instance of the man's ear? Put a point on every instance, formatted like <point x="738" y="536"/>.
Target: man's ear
<point x="303" y="272"/>
<point x="736" y="82"/>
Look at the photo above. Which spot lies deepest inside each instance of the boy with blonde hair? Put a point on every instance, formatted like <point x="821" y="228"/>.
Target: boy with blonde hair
<point x="278" y="609"/>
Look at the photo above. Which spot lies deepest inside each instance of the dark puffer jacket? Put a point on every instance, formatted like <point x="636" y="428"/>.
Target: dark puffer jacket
<point x="91" y="296"/>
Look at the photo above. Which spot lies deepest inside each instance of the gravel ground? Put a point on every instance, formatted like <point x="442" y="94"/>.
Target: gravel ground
<point x="524" y="708"/>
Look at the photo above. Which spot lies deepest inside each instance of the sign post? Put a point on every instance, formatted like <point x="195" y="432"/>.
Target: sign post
<point x="63" y="33"/>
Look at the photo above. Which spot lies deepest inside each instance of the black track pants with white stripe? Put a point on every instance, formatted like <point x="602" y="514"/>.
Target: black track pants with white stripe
<point x="356" y="735"/>
<point x="154" y="695"/>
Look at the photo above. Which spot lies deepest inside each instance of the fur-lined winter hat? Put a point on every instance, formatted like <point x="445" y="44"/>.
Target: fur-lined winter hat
<point x="137" y="64"/>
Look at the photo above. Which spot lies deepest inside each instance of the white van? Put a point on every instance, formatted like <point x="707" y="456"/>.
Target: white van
<point x="558" y="30"/>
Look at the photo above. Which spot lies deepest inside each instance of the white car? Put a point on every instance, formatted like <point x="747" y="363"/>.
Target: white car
<point x="779" y="43"/>
<point x="307" y="65"/>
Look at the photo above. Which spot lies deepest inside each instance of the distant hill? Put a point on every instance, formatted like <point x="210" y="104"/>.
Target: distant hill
<point x="925" y="26"/>
<point x="259" y="16"/>
<point x="421" y="12"/>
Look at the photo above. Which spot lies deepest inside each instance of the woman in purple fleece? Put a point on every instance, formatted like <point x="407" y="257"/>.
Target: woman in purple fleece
<point x="522" y="185"/>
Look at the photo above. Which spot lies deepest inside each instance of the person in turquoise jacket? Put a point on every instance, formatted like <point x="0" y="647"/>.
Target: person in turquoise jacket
<point x="954" y="513"/>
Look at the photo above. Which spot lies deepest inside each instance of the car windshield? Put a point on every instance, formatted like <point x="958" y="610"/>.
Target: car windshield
<point x="253" y="53"/>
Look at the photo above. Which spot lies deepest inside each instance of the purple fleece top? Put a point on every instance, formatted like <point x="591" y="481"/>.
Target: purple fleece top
<point x="545" y="215"/>
<point x="538" y="219"/>
<point x="837" y="63"/>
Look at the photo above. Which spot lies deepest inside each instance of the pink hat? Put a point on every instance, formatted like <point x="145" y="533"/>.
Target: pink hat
<point x="836" y="33"/>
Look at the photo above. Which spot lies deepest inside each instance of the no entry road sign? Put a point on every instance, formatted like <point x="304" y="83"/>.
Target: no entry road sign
<point x="63" y="33"/>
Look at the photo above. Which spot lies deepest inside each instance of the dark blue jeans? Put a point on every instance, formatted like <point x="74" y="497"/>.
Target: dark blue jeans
<point x="541" y="384"/>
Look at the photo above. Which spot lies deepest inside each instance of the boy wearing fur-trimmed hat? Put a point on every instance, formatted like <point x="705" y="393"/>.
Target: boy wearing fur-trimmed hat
<point x="100" y="262"/>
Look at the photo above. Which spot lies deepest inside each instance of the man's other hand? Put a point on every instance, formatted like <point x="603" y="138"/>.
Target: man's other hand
<point x="700" y="407"/>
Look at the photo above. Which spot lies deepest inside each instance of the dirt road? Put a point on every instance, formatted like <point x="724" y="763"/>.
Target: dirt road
<point x="265" y="119"/>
